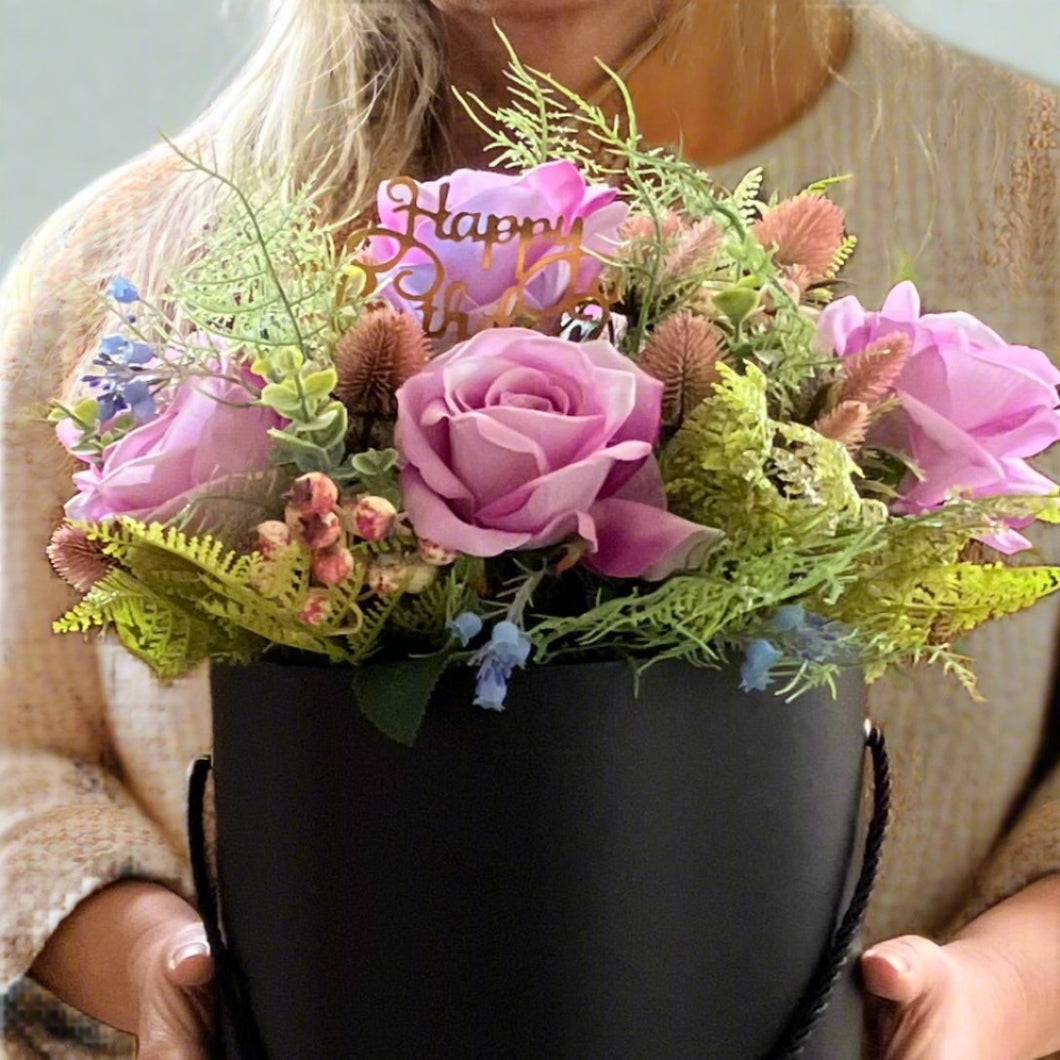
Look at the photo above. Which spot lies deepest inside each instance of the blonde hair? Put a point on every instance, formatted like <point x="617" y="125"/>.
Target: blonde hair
<point x="349" y="91"/>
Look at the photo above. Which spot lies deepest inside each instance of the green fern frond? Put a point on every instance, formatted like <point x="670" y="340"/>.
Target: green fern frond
<point x="759" y="480"/>
<point x="366" y="641"/>
<point x="425" y="615"/>
<point x="744" y="199"/>
<point x="843" y="255"/>
<point x="268" y="273"/>
<point x="146" y="548"/>
<point x="274" y="626"/>
<point x="170" y="637"/>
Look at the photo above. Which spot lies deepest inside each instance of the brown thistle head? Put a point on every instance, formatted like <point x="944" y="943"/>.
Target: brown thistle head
<point x="374" y="358"/>
<point x="77" y="560"/>
<point x="807" y="230"/>
<point x="683" y="354"/>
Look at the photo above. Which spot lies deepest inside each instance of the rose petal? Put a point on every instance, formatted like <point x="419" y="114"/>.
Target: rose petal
<point x="902" y="304"/>
<point x="435" y="521"/>
<point x="491" y="459"/>
<point x="639" y="541"/>
<point x="569" y="438"/>
<point x="536" y="503"/>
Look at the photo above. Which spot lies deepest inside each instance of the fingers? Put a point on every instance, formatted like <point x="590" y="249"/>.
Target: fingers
<point x="904" y="969"/>
<point x="189" y="963"/>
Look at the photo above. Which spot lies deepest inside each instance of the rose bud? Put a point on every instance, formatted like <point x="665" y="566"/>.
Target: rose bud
<point x="313" y="494"/>
<point x="332" y="565"/>
<point x="373" y="518"/>
<point x="433" y="553"/>
<point x="270" y="537"/>
<point x="315" y="609"/>
<point x="320" y="531"/>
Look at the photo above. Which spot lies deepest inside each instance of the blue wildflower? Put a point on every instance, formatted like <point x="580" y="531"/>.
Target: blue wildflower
<point x="509" y="644"/>
<point x="491" y="687"/>
<point x="789" y="618"/>
<point x="807" y="635"/>
<point x="466" y="627"/>
<point x="507" y="648"/>
<point x="760" y="655"/>
<point x="124" y="383"/>
<point x="121" y="290"/>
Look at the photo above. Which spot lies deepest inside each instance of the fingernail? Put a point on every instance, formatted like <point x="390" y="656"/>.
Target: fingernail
<point x="185" y="953"/>
<point x="896" y="963"/>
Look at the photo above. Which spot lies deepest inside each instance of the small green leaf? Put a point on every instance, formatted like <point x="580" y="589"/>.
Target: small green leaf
<point x="737" y="303"/>
<point x="282" y="397"/>
<point x="86" y="411"/>
<point x="394" y="696"/>
<point x="320" y="384"/>
<point x="374" y="461"/>
<point x="289" y="359"/>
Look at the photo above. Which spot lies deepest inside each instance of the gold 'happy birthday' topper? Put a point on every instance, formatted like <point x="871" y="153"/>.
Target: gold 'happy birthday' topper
<point x="543" y="244"/>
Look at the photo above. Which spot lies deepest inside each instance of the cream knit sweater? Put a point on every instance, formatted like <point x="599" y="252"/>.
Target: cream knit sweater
<point x="956" y="165"/>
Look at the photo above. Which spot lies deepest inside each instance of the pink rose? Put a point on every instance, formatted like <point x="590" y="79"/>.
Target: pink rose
<point x="973" y="407"/>
<point x="195" y="443"/>
<point x="485" y="263"/>
<point x="515" y="440"/>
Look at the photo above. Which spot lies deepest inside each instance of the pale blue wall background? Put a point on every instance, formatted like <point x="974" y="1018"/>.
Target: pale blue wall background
<point x="84" y="84"/>
<point x="1024" y="34"/>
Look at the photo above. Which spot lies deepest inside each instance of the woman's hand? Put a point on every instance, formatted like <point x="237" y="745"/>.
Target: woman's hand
<point x="991" y="994"/>
<point x="175" y="1005"/>
<point x="134" y="955"/>
<point x="955" y="1002"/>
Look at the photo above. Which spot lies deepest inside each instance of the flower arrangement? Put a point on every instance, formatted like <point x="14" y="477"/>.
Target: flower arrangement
<point x="584" y="404"/>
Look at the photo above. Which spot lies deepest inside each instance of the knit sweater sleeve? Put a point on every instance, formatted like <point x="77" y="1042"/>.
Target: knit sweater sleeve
<point x="68" y="826"/>
<point x="1030" y="849"/>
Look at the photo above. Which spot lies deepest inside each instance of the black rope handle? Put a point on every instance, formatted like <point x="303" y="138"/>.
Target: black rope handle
<point x="819" y="991"/>
<point x="235" y="1037"/>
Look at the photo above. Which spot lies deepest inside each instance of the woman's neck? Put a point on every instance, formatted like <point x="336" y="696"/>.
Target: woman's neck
<point x="728" y="75"/>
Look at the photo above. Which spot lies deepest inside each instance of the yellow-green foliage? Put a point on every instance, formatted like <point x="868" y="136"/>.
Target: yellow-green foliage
<point x="765" y="483"/>
<point x="175" y="599"/>
<point x="167" y="634"/>
<point x="268" y="273"/>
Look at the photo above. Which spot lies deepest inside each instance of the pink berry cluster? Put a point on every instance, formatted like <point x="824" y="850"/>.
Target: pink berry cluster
<point x="327" y="523"/>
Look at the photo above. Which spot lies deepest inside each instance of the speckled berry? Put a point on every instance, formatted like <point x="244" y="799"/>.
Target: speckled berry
<point x="386" y="575"/>
<point x="319" y="531"/>
<point x="372" y="518"/>
<point x="313" y="494"/>
<point x="315" y="609"/>
<point x="332" y="565"/>
<point x="433" y="553"/>
<point x="270" y="537"/>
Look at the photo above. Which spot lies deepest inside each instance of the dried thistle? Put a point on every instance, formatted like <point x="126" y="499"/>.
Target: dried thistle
<point x="373" y="359"/>
<point x="807" y="230"/>
<point x="846" y="423"/>
<point x="641" y="228"/>
<point x="870" y="374"/>
<point x="694" y="247"/>
<point x="683" y="354"/>
<point x="79" y="561"/>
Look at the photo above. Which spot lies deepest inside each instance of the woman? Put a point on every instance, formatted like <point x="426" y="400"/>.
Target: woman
<point x="956" y="166"/>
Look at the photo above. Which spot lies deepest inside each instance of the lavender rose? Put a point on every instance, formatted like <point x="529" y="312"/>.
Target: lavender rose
<point x="515" y="440"/>
<point x="485" y="213"/>
<point x="973" y="407"/>
<point x="196" y="442"/>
